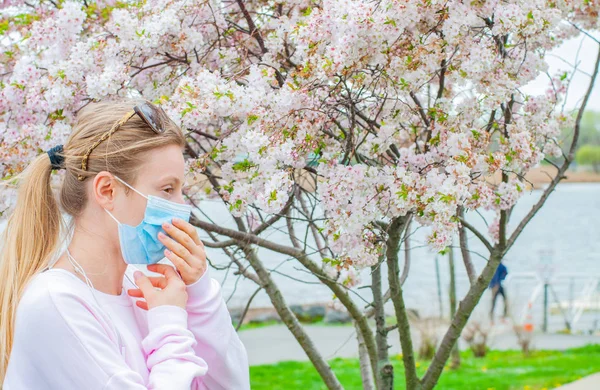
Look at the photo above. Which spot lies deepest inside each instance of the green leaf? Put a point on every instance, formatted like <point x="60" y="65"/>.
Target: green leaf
<point x="272" y="196"/>
<point x="446" y="198"/>
<point x="462" y="158"/>
<point x="20" y="86"/>
<point x="403" y="193"/>
<point x="243" y="166"/>
<point x="390" y="21"/>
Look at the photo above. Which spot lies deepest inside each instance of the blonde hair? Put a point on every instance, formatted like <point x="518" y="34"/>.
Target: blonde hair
<point x="34" y="228"/>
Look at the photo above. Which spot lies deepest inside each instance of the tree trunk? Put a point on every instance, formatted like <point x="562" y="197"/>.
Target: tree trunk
<point x="366" y="372"/>
<point x="455" y="351"/>
<point x="408" y="356"/>
<point x="385" y="370"/>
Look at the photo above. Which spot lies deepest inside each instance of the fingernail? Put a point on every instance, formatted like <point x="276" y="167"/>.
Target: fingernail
<point x="137" y="275"/>
<point x="167" y="252"/>
<point x="167" y="225"/>
<point x="177" y="220"/>
<point x="161" y="235"/>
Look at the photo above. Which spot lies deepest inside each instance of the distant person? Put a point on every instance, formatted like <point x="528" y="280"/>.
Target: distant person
<point x="498" y="289"/>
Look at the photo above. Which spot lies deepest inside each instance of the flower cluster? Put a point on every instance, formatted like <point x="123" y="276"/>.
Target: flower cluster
<point x="396" y="107"/>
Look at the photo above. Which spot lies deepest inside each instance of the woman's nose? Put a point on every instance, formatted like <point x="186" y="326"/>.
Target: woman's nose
<point x="179" y="198"/>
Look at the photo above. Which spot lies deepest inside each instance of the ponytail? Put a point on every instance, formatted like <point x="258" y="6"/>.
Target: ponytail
<point x="28" y="243"/>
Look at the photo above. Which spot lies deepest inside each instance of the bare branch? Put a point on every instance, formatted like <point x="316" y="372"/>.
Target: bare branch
<point x="464" y="248"/>
<point x="478" y="234"/>
<point x="253" y="30"/>
<point x="561" y="172"/>
<point x="406" y="268"/>
<point x="239" y="325"/>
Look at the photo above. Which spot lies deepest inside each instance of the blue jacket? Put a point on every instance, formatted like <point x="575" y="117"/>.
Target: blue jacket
<point x="499" y="276"/>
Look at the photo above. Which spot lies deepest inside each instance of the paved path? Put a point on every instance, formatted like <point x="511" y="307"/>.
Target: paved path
<point x="591" y="382"/>
<point x="275" y="343"/>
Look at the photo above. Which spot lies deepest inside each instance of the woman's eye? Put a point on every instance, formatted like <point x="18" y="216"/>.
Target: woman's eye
<point x="168" y="190"/>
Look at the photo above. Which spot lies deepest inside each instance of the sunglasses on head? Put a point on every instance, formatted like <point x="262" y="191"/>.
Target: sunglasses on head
<point x="155" y="117"/>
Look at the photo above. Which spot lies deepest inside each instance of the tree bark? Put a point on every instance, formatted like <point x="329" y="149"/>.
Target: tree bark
<point x="366" y="372"/>
<point x="464" y="248"/>
<point x="408" y="357"/>
<point x="455" y="351"/>
<point x="385" y="370"/>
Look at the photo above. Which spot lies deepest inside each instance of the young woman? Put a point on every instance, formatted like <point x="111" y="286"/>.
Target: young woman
<point x="85" y="318"/>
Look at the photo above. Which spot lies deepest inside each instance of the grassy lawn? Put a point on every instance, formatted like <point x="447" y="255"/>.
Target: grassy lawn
<point x="498" y="370"/>
<point x="271" y="323"/>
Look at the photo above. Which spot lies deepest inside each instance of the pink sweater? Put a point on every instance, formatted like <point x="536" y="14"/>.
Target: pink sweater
<point x="64" y="341"/>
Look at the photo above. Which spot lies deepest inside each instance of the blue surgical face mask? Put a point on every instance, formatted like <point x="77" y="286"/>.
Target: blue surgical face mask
<point x="140" y="244"/>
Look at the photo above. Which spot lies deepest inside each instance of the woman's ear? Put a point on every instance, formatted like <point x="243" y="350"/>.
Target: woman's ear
<point x="104" y="190"/>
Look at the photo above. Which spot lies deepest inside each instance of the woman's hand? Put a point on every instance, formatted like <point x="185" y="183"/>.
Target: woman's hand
<point x="185" y="250"/>
<point x="159" y="290"/>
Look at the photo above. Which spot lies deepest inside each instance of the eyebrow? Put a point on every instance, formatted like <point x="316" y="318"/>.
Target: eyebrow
<point x="171" y="178"/>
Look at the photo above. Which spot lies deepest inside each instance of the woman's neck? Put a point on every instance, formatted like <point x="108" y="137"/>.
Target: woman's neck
<point x="97" y="253"/>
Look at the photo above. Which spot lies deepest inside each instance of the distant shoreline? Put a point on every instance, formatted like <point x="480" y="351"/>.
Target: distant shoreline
<point x="540" y="176"/>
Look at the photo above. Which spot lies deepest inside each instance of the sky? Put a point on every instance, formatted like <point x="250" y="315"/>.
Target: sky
<point x="582" y="51"/>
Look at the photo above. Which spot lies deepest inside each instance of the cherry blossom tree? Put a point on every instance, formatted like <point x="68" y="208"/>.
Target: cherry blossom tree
<point x="341" y="121"/>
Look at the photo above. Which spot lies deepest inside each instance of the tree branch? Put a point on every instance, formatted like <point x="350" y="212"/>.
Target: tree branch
<point x="406" y="268"/>
<point x="464" y="248"/>
<point x="465" y="309"/>
<point x="253" y="30"/>
<point x="561" y="172"/>
<point x="478" y="234"/>
<point x="246" y="238"/>
<point x="291" y="321"/>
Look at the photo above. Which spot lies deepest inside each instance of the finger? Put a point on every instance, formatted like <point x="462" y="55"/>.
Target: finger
<point x="142" y="304"/>
<point x="143" y="283"/>
<point x="174" y="245"/>
<point x="181" y="237"/>
<point x="165" y="269"/>
<point x="158" y="281"/>
<point x="135" y="292"/>
<point x="189" y="229"/>
<point x="178" y="262"/>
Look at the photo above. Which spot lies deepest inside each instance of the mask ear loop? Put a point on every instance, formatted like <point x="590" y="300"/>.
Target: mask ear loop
<point x="79" y="269"/>
<point x="123" y="181"/>
<point x="113" y="217"/>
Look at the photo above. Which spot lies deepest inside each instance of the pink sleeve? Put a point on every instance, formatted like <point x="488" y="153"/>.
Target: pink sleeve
<point x="169" y="350"/>
<point x="218" y="342"/>
<point x="61" y="342"/>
